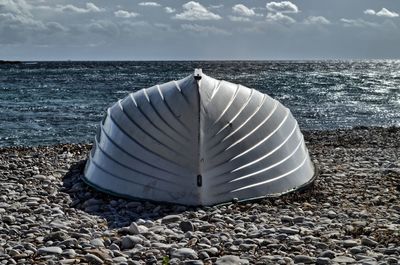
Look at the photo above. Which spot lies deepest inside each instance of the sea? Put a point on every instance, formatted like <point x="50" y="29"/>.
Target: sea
<point x="46" y="103"/>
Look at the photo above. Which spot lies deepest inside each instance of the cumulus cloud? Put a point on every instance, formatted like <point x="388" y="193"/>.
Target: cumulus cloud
<point x="382" y="13"/>
<point x="369" y="12"/>
<point x="279" y="17"/>
<point x="282" y="7"/>
<point x="216" y="6"/>
<point x="238" y="19"/>
<point x="357" y="23"/>
<point x="15" y="7"/>
<point x="243" y="10"/>
<point x="195" y="11"/>
<point x="19" y="25"/>
<point x="169" y="10"/>
<point x="149" y="4"/>
<point x="319" y="20"/>
<point x="90" y="8"/>
<point x="55" y="26"/>
<point x="103" y="27"/>
<point x="125" y="14"/>
<point x="205" y="30"/>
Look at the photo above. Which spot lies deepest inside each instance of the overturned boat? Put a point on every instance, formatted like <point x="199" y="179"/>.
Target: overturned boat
<point x="198" y="141"/>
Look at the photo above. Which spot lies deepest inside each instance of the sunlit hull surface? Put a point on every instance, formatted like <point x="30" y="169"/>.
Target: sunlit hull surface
<point x="198" y="142"/>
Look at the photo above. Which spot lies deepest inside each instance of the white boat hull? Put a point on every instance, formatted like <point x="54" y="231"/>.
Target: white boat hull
<point x="198" y="142"/>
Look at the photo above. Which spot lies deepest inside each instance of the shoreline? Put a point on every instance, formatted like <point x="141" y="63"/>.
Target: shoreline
<point x="350" y="215"/>
<point x="391" y="128"/>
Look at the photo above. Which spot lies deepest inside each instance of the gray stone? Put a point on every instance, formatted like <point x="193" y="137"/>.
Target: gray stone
<point x="349" y="243"/>
<point x="323" y="261"/>
<point x="129" y="242"/>
<point x="70" y="253"/>
<point x="9" y="219"/>
<point x="247" y="247"/>
<point x="230" y="260"/>
<point x="68" y="261"/>
<point x="288" y="230"/>
<point x="119" y="259"/>
<point x="328" y="254"/>
<point x="368" y="242"/>
<point x="286" y="219"/>
<point x="186" y="226"/>
<point x="303" y="259"/>
<point x="298" y="219"/>
<point x="171" y="219"/>
<point x="137" y="229"/>
<point x="97" y="242"/>
<point x="93" y="259"/>
<point x="355" y="250"/>
<point x="49" y="250"/>
<point x="193" y="262"/>
<point x="184" y="253"/>
<point x="114" y="246"/>
<point x="13" y="252"/>
<point x="343" y="259"/>
<point x="213" y="251"/>
<point x="332" y="214"/>
<point x="392" y="260"/>
<point x="203" y="255"/>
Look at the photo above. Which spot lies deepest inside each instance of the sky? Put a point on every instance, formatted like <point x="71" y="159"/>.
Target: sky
<point x="199" y="30"/>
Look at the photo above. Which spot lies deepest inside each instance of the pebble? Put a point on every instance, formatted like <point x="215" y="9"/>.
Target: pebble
<point x="230" y="260"/>
<point x="193" y="262"/>
<point x="171" y="219"/>
<point x="350" y="216"/>
<point x="130" y="241"/>
<point x="49" y="250"/>
<point x="343" y="259"/>
<point x="184" y="253"/>
<point x="288" y="230"/>
<point x="186" y="226"/>
<point x="328" y="254"/>
<point x="137" y="229"/>
<point x="119" y="259"/>
<point x="93" y="259"/>
<point x="349" y="243"/>
<point x="368" y="242"/>
<point x="9" y="219"/>
<point x="323" y="261"/>
<point x="303" y="259"/>
<point x="97" y="242"/>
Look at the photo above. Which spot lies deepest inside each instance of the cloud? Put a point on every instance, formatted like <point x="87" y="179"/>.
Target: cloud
<point x="15" y="28"/>
<point x="195" y="11"/>
<point x="369" y="12"/>
<point x="318" y="20"/>
<point x="204" y="30"/>
<point x="15" y="7"/>
<point x="90" y="8"/>
<point x="125" y="14"/>
<point x="243" y="10"/>
<point x="279" y="17"/>
<point x="282" y="7"/>
<point x="56" y="27"/>
<point x="382" y="13"/>
<point x="216" y="6"/>
<point x="103" y="27"/>
<point x="149" y="4"/>
<point x="169" y="10"/>
<point x="18" y="25"/>
<point x="357" y="23"/>
<point x="238" y="19"/>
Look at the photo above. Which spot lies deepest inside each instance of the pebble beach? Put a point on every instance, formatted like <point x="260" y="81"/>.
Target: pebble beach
<point x="350" y="215"/>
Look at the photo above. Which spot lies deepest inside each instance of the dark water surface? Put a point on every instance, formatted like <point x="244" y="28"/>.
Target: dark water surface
<point x="62" y="102"/>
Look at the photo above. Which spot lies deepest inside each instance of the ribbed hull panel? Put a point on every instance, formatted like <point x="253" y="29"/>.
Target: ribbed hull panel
<point x="198" y="142"/>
